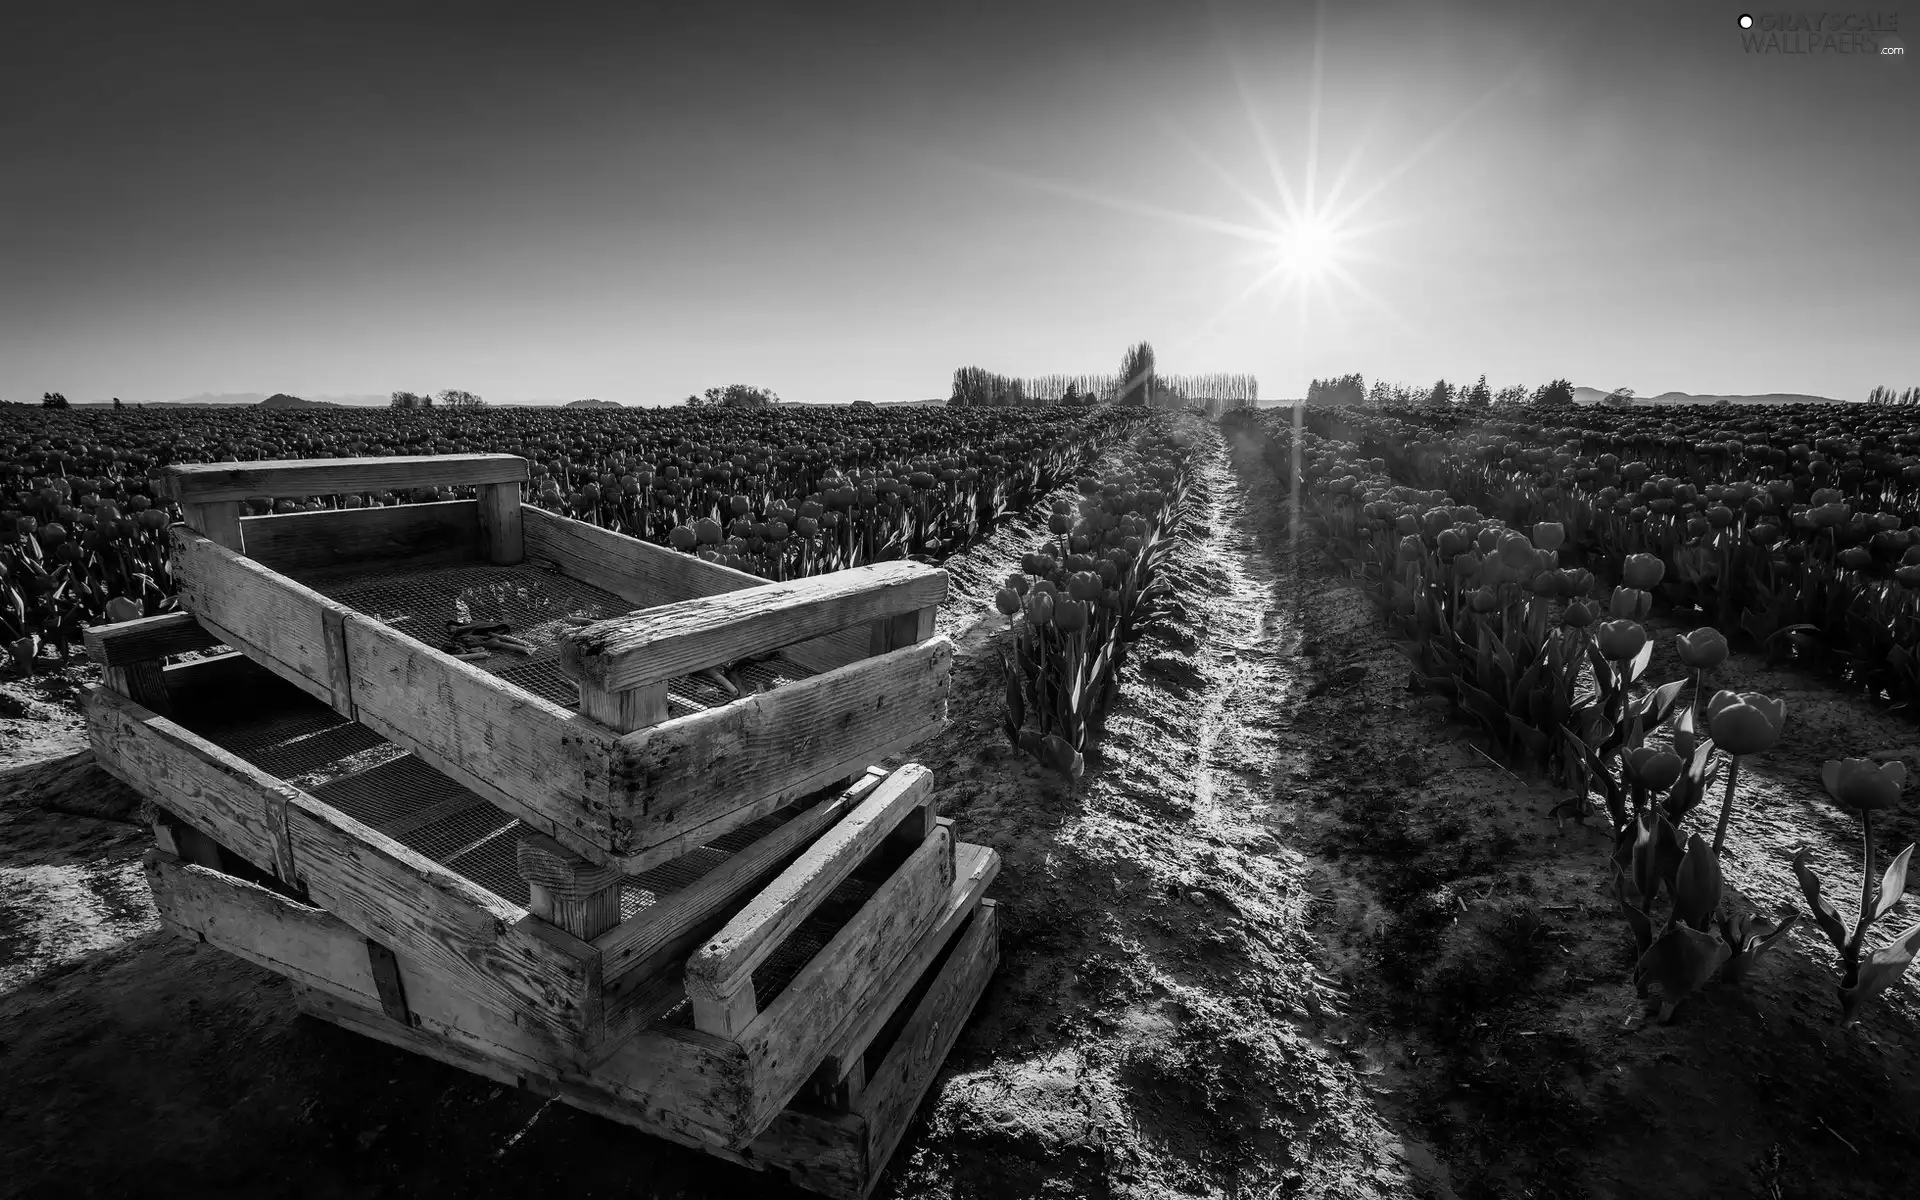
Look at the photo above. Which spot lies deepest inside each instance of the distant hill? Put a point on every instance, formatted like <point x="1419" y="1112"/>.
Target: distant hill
<point x="1587" y="395"/>
<point x="282" y="400"/>
<point x="592" y="404"/>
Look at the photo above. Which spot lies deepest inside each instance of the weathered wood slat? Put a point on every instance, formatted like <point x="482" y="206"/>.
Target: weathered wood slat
<point x="645" y="575"/>
<point x="414" y="534"/>
<point x="374" y="883"/>
<point x="717" y="968"/>
<point x="654" y="935"/>
<point x="252" y="608"/>
<point x="975" y="868"/>
<point x="501" y="530"/>
<point x="144" y="682"/>
<point x="531" y="757"/>
<point x="204" y="483"/>
<point x="146" y="638"/>
<point x="667" y="641"/>
<point x="789" y="1038"/>
<point x="696" y="770"/>
<point x="895" y="1087"/>
<point x="661" y="1077"/>
<point x="218" y="521"/>
<point x="213" y="791"/>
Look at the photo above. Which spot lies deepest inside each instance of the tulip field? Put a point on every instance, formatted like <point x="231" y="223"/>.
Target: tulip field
<point x="781" y="493"/>
<point x="1515" y="563"/>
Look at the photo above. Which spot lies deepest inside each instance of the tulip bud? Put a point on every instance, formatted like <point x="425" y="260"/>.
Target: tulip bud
<point x="1620" y="641"/>
<point x="1746" y="723"/>
<point x="1484" y="600"/>
<point x="1549" y="535"/>
<point x="1071" y="615"/>
<point x="1654" y="769"/>
<point x="1861" y="784"/>
<point x="1007" y="601"/>
<point x="1039" y="607"/>
<point x="1629" y="604"/>
<point x="1578" y="615"/>
<point x="1642" y="571"/>
<point x="1703" y="648"/>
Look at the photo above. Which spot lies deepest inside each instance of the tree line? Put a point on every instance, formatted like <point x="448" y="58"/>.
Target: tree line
<point x="1138" y="383"/>
<point x="1354" y="391"/>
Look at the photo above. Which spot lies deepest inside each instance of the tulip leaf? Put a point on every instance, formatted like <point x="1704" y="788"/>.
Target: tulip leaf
<point x="1630" y="907"/>
<point x="1640" y="661"/>
<point x="1680" y="961"/>
<point x="1534" y="740"/>
<point x="1883" y="969"/>
<point x="1824" y="913"/>
<point x="1893" y="885"/>
<point x="1697" y="884"/>
<point x="1755" y="938"/>
<point x="1659" y="703"/>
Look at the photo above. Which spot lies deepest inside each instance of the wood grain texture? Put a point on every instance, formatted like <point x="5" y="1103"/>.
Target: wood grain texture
<point x="896" y="1086"/>
<point x="501" y="530"/>
<point x="661" y="932"/>
<point x="728" y="959"/>
<point x="626" y="711"/>
<point x="664" y="642"/>
<point x="283" y="478"/>
<point x="211" y="790"/>
<point x="975" y="868"/>
<point x="694" y="770"/>
<point x="416" y="534"/>
<point x="218" y="521"/>
<point x="277" y="621"/>
<point x="146" y="638"/>
<point x="531" y="757"/>
<point x="446" y="923"/>
<point x="789" y="1039"/>
<point x="645" y="575"/>
<point x="142" y="682"/>
<point x="670" y="1082"/>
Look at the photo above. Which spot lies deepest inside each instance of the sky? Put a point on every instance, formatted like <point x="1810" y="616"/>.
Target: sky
<point x="545" y="202"/>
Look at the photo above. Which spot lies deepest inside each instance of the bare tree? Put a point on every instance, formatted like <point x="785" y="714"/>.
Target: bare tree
<point x="462" y="401"/>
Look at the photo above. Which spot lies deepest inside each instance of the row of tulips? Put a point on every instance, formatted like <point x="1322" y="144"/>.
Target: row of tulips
<point x="1489" y="616"/>
<point x="782" y="493"/>
<point x="1075" y="607"/>
<point x="1804" y="537"/>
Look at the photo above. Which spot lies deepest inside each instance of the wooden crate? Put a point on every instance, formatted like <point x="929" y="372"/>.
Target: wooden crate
<point x="780" y="996"/>
<point x="614" y="739"/>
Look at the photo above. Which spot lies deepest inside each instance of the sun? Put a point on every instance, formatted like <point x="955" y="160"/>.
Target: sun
<point x="1307" y="246"/>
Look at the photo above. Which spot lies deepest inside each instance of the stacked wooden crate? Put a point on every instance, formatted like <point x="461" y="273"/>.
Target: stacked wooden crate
<point x="688" y="900"/>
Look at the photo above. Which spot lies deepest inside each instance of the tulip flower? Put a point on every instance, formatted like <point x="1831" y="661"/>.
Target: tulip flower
<point x="1653" y="769"/>
<point x="1549" y="535"/>
<point x="1643" y="571"/>
<point x="1747" y="723"/>
<point x="1629" y="604"/>
<point x="1578" y="615"/>
<point x="1862" y="785"/>
<point x="1620" y="641"/>
<point x="1703" y="648"/>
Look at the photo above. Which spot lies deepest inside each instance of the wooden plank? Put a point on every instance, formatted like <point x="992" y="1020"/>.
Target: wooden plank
<point x="626" y="711"/>
<point x="218" y="521"/>
<point x="667" y="641"/>
<point x="975" y="868"/>
<point x="665" y="931"/>
<point x="896" y="1086"/>
<point x="579" y="896"/>
<point x="141" y="682"/>
<point x="695" y="770"/>
<point x="146" y="638"/>
<point x="211" y="790"/>
<point x="822" y="1151"/>
<point x="728" y="959"/>
<point x="449" y="925"/>
<point x="645" y="575"/>
<point x="786" y="1043"/>
<point x="601" y="1096"/>
<point x="204" y="483"/>
<point x="386" y="978"/>
<point x="417" y="534"/>
<point x="533" y="758"/>
<point x="333" y="624"/>
<point x="660" y="1078"/>
<point x="277" y="621"/>
<point x="906" y="629"/>
<point x="501" y="530"/>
